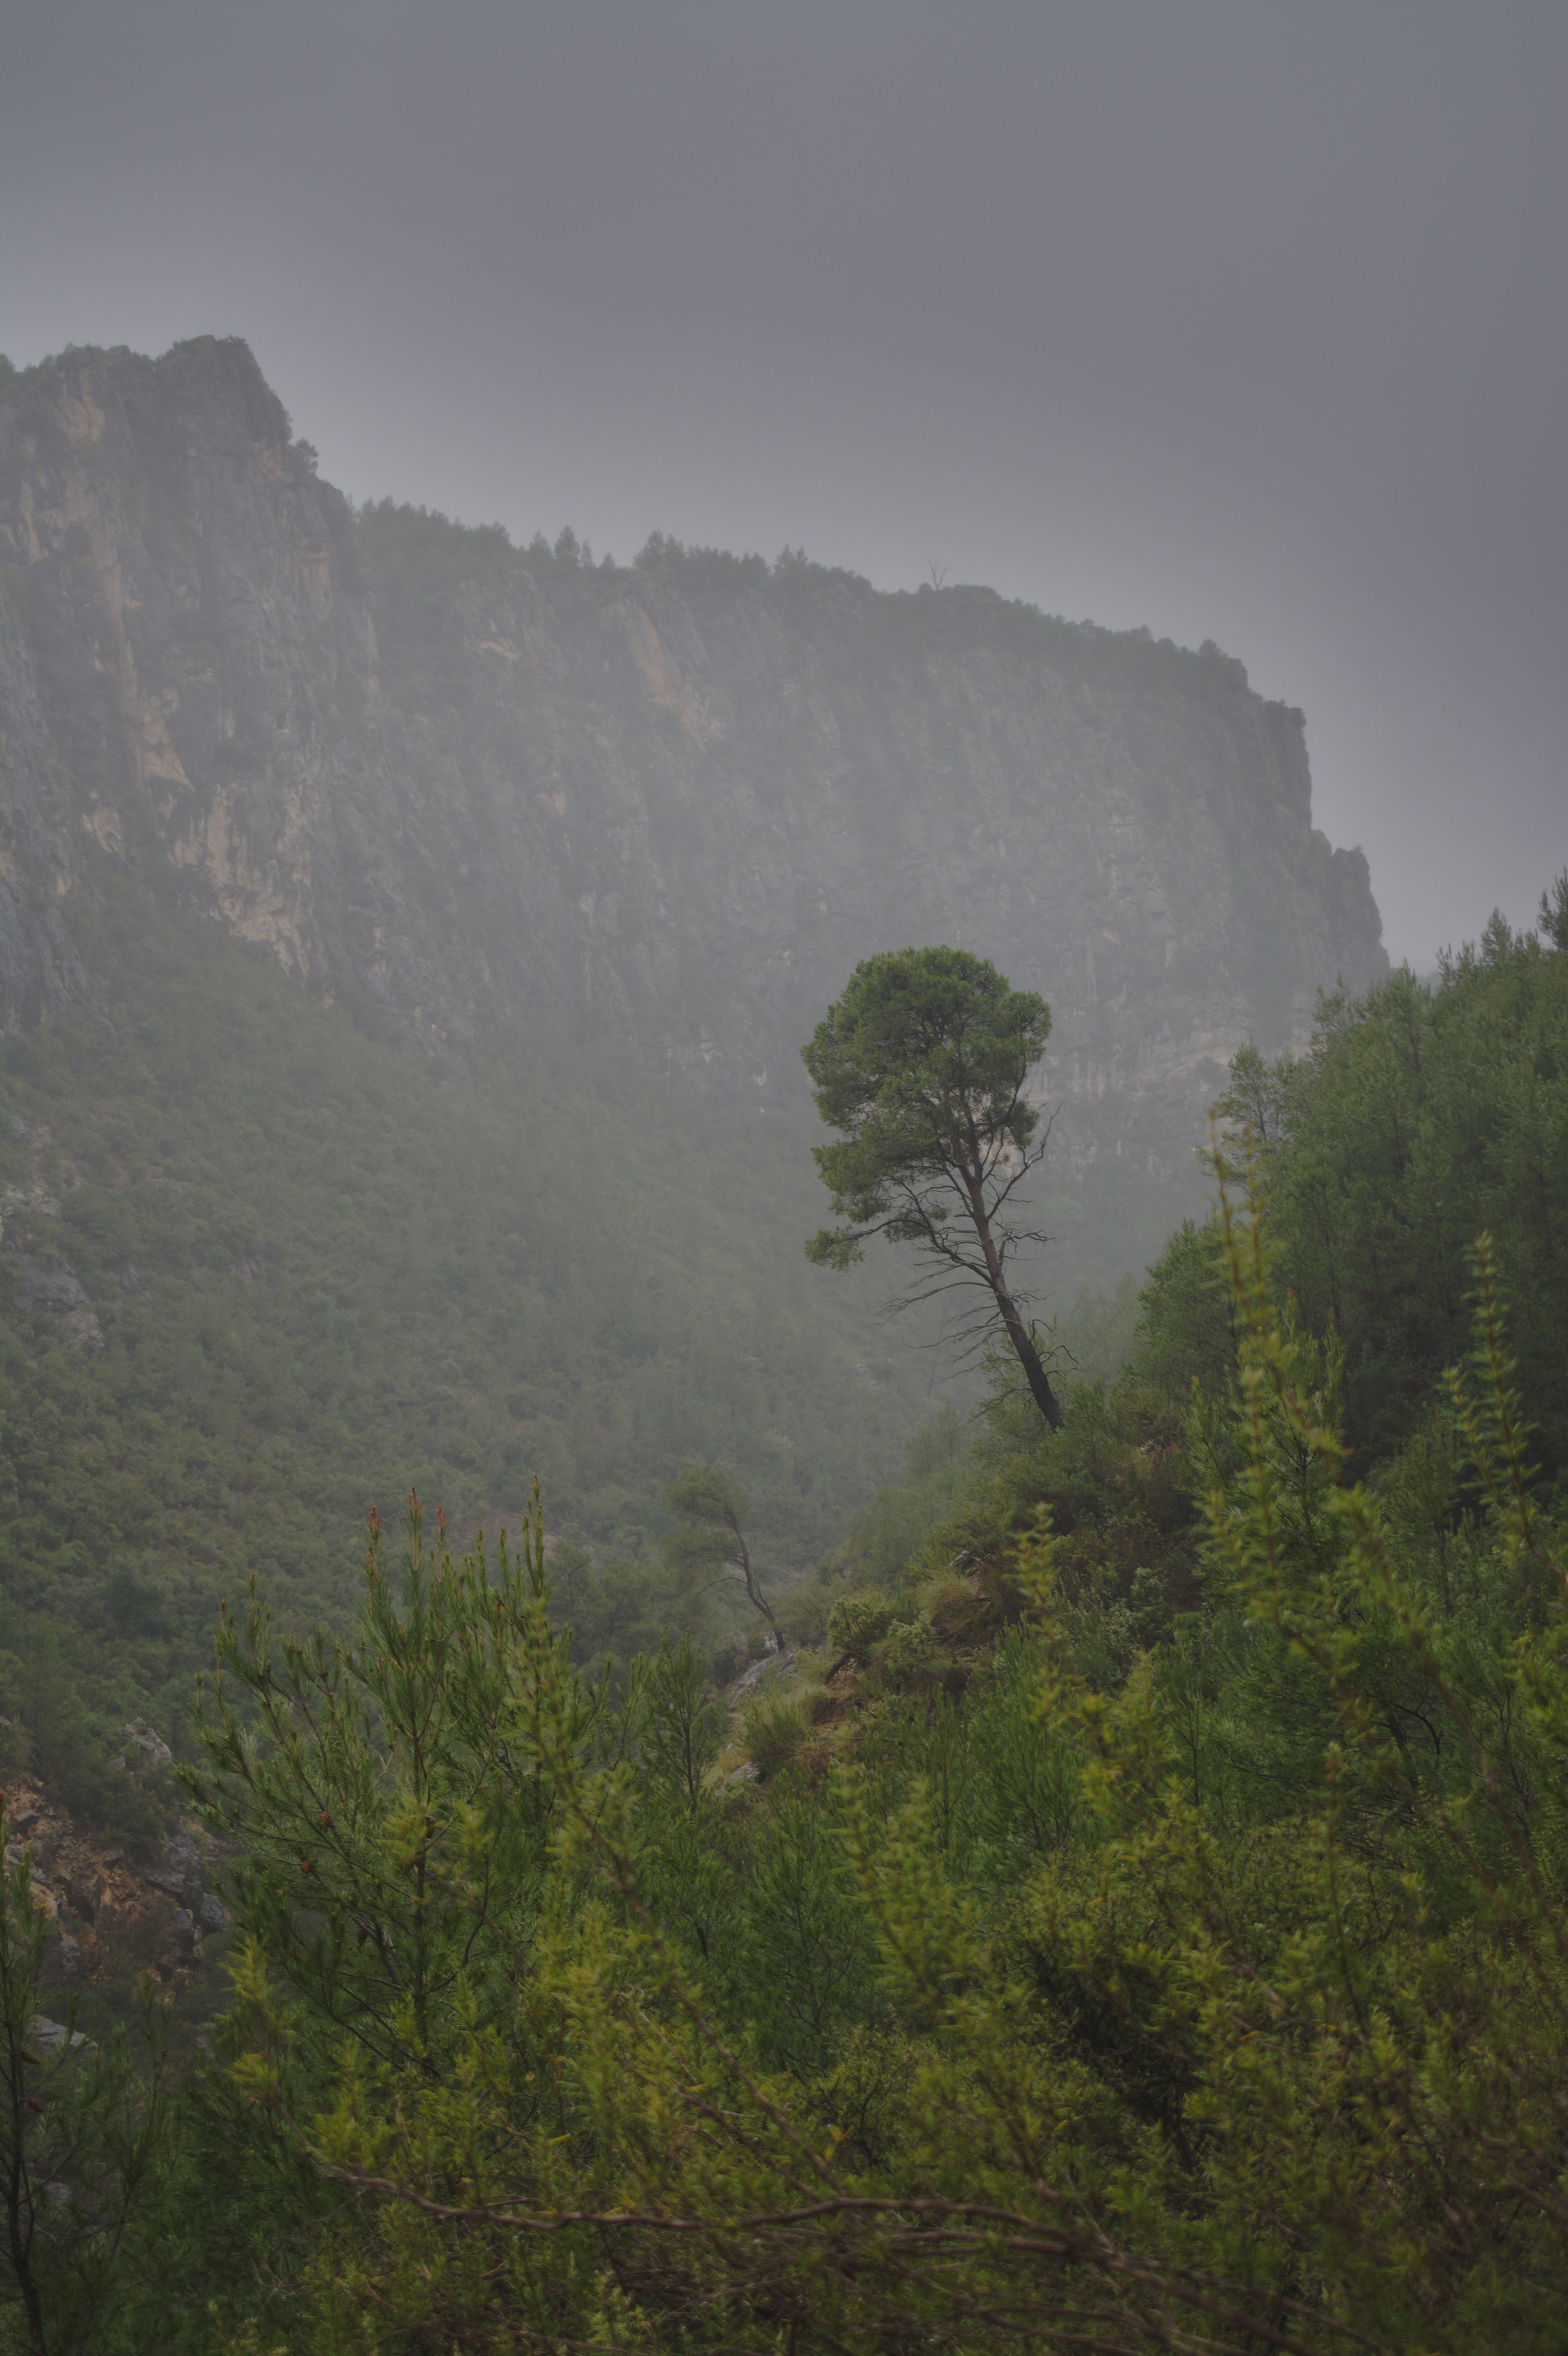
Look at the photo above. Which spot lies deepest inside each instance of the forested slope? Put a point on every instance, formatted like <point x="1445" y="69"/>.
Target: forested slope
<point x="558" y="858"/>
<point x="1127" y="1910"/>
<point x="447" y="780"/>
<point x="262" y="1273"/>
<point x="1129" y="1915"/>
<point x="1418" y="1118"/>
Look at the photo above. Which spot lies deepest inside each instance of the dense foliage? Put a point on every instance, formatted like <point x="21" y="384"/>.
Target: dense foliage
<point x="323" y="1269"/>
<point x="1416" y="1120"/>
<point x="1129" y="1916"/>
<point x="1213" y="1997"/>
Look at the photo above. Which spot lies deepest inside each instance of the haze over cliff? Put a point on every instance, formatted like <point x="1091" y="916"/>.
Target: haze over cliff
<point x="451" y="784"/>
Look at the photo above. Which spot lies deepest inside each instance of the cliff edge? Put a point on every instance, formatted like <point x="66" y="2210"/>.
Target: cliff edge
<point x="450" y="783"/>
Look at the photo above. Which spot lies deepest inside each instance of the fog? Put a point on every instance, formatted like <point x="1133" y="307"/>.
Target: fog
<point x="1239" y="322"/>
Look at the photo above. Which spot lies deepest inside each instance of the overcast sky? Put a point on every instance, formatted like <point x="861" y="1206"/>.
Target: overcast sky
<point x="1245" y="321"/>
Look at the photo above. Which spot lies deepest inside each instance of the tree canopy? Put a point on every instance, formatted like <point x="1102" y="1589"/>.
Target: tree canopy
<point x="1420" y="1115"/>
<point x="921" y="1064"/>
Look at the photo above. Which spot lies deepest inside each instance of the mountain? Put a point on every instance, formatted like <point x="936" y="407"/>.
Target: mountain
<point x="449" y="784"/>
<point x="401" y="933"/>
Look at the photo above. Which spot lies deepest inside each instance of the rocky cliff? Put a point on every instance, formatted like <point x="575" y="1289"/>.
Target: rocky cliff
<point x="118" y="1909"/>
<point x="449" y="783"/>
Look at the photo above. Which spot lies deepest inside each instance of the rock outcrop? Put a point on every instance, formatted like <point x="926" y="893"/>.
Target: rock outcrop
<point x="690" y="794"/>
<point x="60" y="1294"/>
<point x="112" y="1912"/>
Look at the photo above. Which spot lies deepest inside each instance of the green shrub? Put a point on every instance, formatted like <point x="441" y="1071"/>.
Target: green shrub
<point x="858" y="1622"/>
<point x="909" y="1656"/>
<point x="959" y="1610"/>
<point x="776" y="1728"/>
<point x="804" y="1613"/>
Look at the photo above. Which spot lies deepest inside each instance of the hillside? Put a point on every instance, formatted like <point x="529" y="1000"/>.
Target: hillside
<point x="405" y="943"/>
<point x="446" y="781"/>
<point x="1122" y="1907"/>
<point x="1124" y="1913"/>
<point x="261" y="1273"/>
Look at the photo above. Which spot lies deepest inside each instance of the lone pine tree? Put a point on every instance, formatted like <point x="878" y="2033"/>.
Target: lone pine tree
<point x="921" y="1064"/>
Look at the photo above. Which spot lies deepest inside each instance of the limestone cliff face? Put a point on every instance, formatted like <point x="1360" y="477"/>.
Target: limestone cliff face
<point x="692" y="794"/>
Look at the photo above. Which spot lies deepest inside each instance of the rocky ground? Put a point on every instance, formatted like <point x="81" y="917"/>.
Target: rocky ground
<point x="115" y="1914"/>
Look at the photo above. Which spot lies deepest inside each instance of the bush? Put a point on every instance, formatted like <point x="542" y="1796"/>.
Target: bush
<point x="804" y="1613"/>
<point x="858" y="1622"/>
<point x="776" y="1728"/>
<point x="959" y="1611"/>
<point x="907" y="1656"/>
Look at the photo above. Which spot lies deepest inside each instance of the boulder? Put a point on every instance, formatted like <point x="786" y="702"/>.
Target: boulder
<point x="771" y="1667"/>
<point x="152" y="1751"/>
<point x="60" y="1292"/>
<point x="178" y="1871"/>
<point x="87" y="1896"/>
<point x="54" y="2037"/>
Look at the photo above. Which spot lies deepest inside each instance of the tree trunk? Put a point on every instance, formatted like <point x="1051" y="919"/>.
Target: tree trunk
<point x="20" y="2235"/>
<point x="1029" y="1358"/>
<point x="1017" y="1333"/>
<point x="752" y="1588"/>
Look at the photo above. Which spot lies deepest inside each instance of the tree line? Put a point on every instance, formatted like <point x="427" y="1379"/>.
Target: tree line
<point x="1133" y="1920"/>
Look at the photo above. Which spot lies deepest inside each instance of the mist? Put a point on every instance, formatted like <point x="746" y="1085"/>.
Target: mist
<point x="1240" y="323"/>
<point x="731" y="1193"/>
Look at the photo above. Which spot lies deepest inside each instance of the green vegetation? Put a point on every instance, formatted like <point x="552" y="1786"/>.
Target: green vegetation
<point x="326" y="1271"/>
<point x="921" y="1065"/>
<point x="1418" y="1118"/>
<point x="1129" y="1917"/>
<point x="1216" y="1988"/>
<point x="86" y="2146"/>
<point x="1413" y="1124"/>
<point x="709" y="1543"/>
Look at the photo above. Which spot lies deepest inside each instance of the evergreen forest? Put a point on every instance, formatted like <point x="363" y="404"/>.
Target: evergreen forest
<point x="1110" y="1899"/>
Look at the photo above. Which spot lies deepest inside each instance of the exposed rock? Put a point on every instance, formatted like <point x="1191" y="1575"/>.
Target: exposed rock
<point x="40" y="968"/>
<point x="178" y="1871"/>
<point x="550" y="791"/>
<point x="154" y="1752"/>
<point x="772" y="1665"/>
<point x="211" y="1915"/>
<point x="60" y="1292"/>
<point x="118" y="1916"/>
<point x="87" y="1895"/>
<point x="54" y="2037"/>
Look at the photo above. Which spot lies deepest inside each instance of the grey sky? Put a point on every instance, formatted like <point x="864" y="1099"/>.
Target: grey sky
<point x="1245" y="321"/>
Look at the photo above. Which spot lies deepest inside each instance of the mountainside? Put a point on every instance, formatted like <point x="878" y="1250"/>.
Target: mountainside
<point x="568" y="830"/>
<point x="447" y="782"/>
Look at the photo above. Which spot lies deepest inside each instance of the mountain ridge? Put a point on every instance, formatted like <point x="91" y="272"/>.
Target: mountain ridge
<point x="690" y="793"/>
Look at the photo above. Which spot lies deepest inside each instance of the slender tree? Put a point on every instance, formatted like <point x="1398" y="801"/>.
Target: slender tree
<point x="921" y="1064"/>
<point x="712" y="1511"/>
